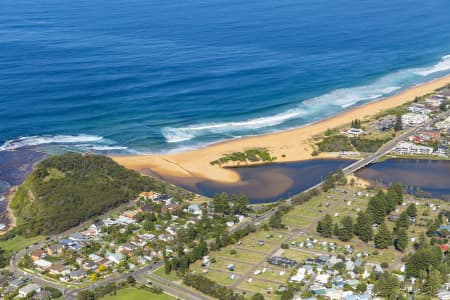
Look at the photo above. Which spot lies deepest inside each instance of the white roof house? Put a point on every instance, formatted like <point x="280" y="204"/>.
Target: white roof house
<point x="413" y="119"/>
<point x="42" y="264"/>
<point x="28" y="289"/>
<point x="419" y="108"/>
<point x="355" y="131"/>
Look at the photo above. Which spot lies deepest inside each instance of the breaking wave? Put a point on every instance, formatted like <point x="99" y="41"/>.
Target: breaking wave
<point x="336" y="100"/>
<point x="28" y="141"/>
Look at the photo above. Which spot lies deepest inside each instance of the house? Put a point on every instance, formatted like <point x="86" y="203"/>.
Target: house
<point x="410" y="148"/>
<point x="90" y="266"/>
<point x="171" y="208"/>
<point x="38" y="254"/>
<point x="413" y="119"/>
<point x="149" y="195"/>
<point x="42" y="264"/>
<point x="385" y="123"/>
<point x="147" y="208"/>
<point x="442" y="151"/>
<point x="16" y="283"/>
<point x="59" y="269"/>
<point x="77" y="237"/>
<point x="94" y="257"/>
<point x="282" y="261"/>
<point x="430" y="135"/>
<point x="54" y="250"/>
<point x="194" y="209"/>
<point x="131" y="214"/>
<point x="114" y="257"/>
<point x="123" y="220"/>
<point x="28" y="289"/>
<point x="354" y="132"/>
<point x="77" y="274"/>
<point x="419" y="108"/>
<point x="434" y="101"/>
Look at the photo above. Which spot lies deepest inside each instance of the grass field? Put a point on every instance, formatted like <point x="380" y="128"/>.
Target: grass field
<point x="19" y="242"/>
<point x="172" y="276"/>
<point x="136" y="294"/>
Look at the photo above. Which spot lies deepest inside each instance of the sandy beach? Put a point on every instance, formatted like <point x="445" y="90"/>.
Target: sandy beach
<point x="287" y="146"/>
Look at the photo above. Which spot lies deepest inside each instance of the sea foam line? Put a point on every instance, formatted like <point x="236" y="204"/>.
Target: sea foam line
<point x="36" y="140"/>
<point x="336" y="100"/>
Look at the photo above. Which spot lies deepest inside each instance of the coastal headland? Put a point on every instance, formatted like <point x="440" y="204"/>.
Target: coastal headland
<point x="287" y="146"/>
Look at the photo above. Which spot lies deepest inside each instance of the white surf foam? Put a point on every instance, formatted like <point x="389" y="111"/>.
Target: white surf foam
<point x="27" y="141"/>
<point x="105" y="148"/>
<point x="336" y="100"/>
<point x="443" y="65"/>
<point x="176" y="135"/>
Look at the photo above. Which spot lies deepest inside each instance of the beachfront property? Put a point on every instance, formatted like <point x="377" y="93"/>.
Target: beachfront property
<point x="419" y="108"/>
<point x="407" y="148"/>
<point x="435" y="101"/>
<point x="413" y="119"/>
<point x="354" y="132"/>
<point x="385" y="123"/>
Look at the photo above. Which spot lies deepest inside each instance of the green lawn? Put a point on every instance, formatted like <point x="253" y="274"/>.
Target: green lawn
<point x="19" y="242"/>
<point x="172" y="276"/>
<point x="136" y="294"/>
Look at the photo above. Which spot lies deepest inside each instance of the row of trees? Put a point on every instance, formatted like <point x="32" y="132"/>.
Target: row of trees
<point x="379" y="206"/>
<point x="211" y="288"/>
<point x="225" y="204"/>
<point x="356" y="123"/>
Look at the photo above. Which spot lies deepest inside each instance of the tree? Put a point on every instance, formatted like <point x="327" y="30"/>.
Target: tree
<point x="392" y="199"/>
<point x="336" y="229"/>
<point x="363" y="227"/>
<point x="387" y="286"/>
<point x="432" y="283"/>
<point x="346" y="230"/>
<point x="275" y="220"/>
<point x="377" y="207"/>
<point x="399" y="189"/>
<point x="412" y="210"/>
<point x="326" y="226"/>
<point x="398" y="123"/>
<point x="443" y="106"/>
<point x="424" y="259"/>
<point x="340" y="177"/>
<point x="401" y="242"/>
<point x="402" y="221"/>
<point x="93" y="277"/>
<point x="257" y="296"/>
<point x="329" y="182"/>
<point x="131" y="280"/>
<point x="240" y="204"/>
<point x="220" y="203"/>
<point x="383" y="238"/>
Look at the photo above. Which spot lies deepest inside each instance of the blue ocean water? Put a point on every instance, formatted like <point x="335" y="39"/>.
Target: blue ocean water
<point x="153" y="76"/>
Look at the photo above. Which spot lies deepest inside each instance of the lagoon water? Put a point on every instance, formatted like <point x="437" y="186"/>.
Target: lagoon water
<point x="153" y="76"/>
<point x="428" y="178"/>
<point x="267" y="183"/>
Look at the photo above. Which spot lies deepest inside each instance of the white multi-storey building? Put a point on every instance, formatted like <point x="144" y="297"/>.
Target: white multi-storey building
<point x="411" y="148"/>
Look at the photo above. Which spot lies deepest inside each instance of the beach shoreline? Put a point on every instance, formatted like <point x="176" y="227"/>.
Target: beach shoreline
<point x="288" y="146"/>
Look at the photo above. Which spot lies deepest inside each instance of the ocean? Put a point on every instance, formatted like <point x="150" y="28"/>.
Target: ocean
<point x="158" y="76"/>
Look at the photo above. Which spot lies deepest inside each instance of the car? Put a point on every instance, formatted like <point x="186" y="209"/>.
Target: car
<point x="149" y="282"/>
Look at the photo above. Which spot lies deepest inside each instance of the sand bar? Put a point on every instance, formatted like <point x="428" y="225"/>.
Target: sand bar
<point x="287" y="146"/>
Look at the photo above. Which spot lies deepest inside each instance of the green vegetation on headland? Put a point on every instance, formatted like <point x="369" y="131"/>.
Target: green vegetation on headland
<point x="63" y="191"/>
<point x="250" y="155"/>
